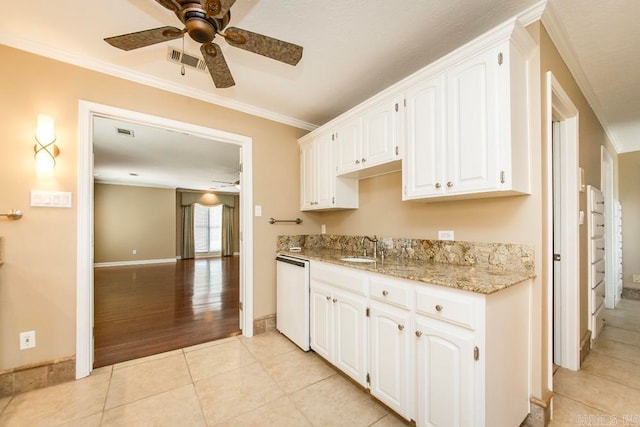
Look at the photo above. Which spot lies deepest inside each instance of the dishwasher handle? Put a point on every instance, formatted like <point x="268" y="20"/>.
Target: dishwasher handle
<point x="293" y="261"/>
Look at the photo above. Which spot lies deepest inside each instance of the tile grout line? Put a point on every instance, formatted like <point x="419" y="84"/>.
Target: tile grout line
<point x="573" y="399"/>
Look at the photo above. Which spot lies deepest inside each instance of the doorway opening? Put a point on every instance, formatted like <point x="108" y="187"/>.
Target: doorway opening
<point x="85" y="243"/>
<point x="562" y="267"/>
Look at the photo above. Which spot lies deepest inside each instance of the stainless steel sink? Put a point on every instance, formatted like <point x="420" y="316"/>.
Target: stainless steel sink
<point x="357" y="259"/>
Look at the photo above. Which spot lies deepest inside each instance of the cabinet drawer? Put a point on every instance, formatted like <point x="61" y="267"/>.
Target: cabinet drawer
<point x="449" y="306"/>
<point x="341" y="277"/>
<point x="597" y="202"/>
<point x="597" y="272"/>
<point x="390" y="291"/>
<point x="597" y="250"/>
<point x="596" y="225"/>
<point x="597" y="297"/>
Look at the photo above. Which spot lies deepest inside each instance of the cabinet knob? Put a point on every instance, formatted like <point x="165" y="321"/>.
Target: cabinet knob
<point x="328" y="298"/>
<point x="400" y="327"/>
<point x="418" y="334"/>
<point x="449" y="184"/>
<point x="438" y="185"/>
<point x="438" y="307"/>
<point x="385" y="293"/>
<point x="364" y="160"/>
<point x="335" y="300"/>
<point x="357" y="162"/>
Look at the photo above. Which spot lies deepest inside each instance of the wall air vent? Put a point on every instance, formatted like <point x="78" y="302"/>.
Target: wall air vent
<point x="192" y="61"/>
<point x="125" y="132"/>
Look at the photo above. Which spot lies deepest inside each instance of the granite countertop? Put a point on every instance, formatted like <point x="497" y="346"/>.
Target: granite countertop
<point x="469" y="278"/>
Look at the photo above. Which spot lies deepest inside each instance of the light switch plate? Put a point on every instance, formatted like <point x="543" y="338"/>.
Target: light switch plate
<point x="258" y="210"/>
<point x="50" y="199"/>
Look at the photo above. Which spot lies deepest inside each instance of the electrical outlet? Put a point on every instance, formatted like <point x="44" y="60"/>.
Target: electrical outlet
<point x="445" y="235"/>
<point x="636" y="278"/>
<point x="27" y="340"/>
<point x="135" y="251"/>
<point x="323" y="229"/>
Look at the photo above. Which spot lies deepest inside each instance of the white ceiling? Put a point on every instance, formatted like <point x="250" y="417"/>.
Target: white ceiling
<point x="162" y="158"/>
<point x="352" y="49"/>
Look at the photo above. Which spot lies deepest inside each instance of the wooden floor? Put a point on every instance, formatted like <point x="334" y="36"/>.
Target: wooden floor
<point x="148" y="309"/>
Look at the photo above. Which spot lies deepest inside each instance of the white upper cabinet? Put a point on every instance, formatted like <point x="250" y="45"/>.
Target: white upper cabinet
<point x="467" y="122"/>
<point x="319" y="186"/>
<point x="369" y="144"/>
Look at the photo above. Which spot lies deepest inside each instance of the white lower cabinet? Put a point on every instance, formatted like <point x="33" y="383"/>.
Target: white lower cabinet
<point x="339" y="327"/>
<point x="445" y="377"/>
<point x="439" y="356"/>
<point x="389" y="356"/>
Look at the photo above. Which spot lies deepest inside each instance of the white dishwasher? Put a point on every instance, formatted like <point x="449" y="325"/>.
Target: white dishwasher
<point x="292" y="315"/>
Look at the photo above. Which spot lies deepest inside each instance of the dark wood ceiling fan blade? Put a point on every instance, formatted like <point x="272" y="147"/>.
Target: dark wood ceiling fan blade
<point x="217" y="65"/>
<point x="279" y="50"/>
<point x="144" y="38"/>
<point x="217" y="8"/>
<point x="172" y="5"/>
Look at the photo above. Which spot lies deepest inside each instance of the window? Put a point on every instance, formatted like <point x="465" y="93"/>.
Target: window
<point x="208" y="229"/>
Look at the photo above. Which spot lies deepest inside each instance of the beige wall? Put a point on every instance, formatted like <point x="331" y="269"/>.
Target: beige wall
<point x="128" y="218"/>
<point x="38" y="279"/>
<point x="629" y="196"/>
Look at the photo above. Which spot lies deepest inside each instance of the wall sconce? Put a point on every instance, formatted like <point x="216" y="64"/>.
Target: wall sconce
<point x="45" y="148"/>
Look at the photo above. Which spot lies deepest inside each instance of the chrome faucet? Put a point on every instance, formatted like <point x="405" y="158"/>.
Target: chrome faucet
<point x="373" y="240"/>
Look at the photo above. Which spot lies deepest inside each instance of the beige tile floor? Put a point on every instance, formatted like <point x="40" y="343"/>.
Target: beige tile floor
<point x="606" y="391"/>
<point x="261" y="381"/>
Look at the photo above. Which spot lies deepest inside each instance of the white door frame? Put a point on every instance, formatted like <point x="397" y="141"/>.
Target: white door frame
<point x="606" y="186"/>
<point x="560" y="108"/>
<point x="84" y="277"/>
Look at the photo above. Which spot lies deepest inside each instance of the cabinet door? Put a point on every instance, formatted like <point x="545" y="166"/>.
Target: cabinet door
<point x="321" y="322"/>
<point x="326" y="174"/>
<point x="445" y="374"/>
<point x="472" y="132"/>
<point x="350" y="355"/>
<point x="307" y="176"/>
<point x="348" y="138"/>
<point x="423" y="160"/>
<point x="389" y="345"/>
<point x="380" y="139"/>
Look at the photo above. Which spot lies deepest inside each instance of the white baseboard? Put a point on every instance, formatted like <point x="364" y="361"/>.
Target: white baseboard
<point x="236" y="254"/>
<point x="141" y="262"/>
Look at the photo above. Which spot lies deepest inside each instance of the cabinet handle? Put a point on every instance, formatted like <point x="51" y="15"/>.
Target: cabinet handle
<point x="328" y="298"/>
<point x="418" y="334"/>
<point x="400" y="327"/>
<point x="396" y="107"/>
<point x="439" y="307"/>
<point x="449" y="184"/>
<point x="357" y="162"/>
<point x="335" y="300"/>
<point x="438" y="185"/>
<point x="385" y="293"/>
<point x="364" y="160"/>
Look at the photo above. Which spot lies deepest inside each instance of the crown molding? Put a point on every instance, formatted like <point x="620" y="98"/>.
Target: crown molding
<point x="533" y="14"/>
<point x="556" y="31"/>
<point x="123" y="73"/>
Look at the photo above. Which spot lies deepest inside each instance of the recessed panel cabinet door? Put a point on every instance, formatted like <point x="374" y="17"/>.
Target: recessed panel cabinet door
<point x="350" y="335"/>
<point x="423" y="160"/>
<point x="325" y="171"/>
<point x="389" y="361"/>
<point x="380" y="133"/>
<point x="348" y="141"/>
<point x="445" y="374"/>
<point x="307" y="176"/>
<point x="472" y="132"/>
<point x="321" y="322"/>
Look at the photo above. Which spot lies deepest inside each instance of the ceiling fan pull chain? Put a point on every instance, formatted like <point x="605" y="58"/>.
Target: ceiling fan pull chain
<point x="182" y="70"/>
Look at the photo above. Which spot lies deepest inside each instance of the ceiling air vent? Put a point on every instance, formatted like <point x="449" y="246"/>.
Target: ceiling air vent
<point x="125" y="132"/>
<point x="187" y="59"/>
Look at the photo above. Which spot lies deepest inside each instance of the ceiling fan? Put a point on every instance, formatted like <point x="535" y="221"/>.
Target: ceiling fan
<point x="226" y="184"/>
<point x="203" y="20"/>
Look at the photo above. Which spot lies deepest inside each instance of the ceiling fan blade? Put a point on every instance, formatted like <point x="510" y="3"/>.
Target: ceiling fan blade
<point x="217" y="8"/>
<point x="172" y="5"/>
<point x="144" y="38"/>
<point x="217" y="65"/>
<point x="279" y="50"/>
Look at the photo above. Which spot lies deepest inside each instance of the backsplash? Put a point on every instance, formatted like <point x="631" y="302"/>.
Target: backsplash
<point x="501" y="256"/>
